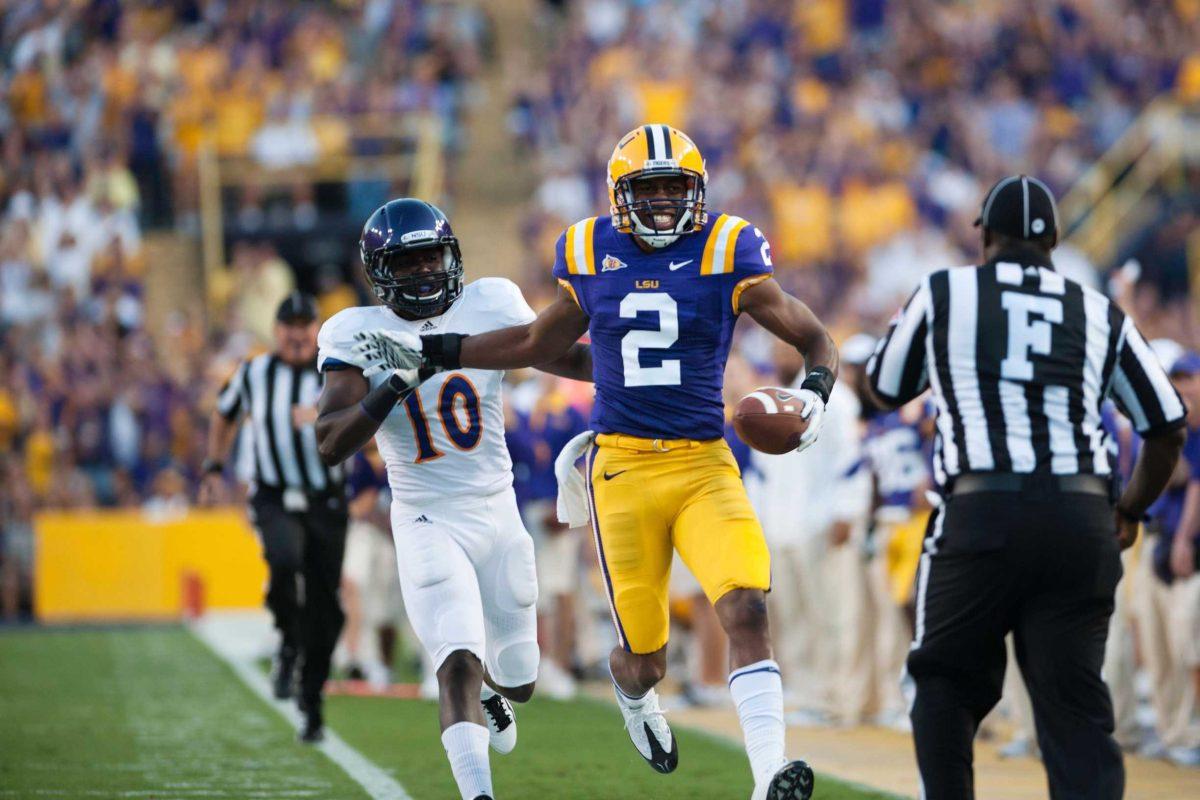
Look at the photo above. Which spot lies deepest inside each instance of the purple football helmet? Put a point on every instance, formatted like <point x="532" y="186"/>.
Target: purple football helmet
<point x="401" y="226"/>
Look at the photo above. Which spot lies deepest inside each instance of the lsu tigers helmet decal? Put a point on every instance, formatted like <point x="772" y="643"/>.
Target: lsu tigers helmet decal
<point x="655" y="151"/>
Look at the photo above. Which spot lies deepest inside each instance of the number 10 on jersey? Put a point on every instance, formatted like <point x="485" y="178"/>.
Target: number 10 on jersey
<point x="458" y="410"/>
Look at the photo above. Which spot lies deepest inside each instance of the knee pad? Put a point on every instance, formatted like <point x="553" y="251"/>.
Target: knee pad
<point x="516" y="664"/>
<point x="518" y="571"/>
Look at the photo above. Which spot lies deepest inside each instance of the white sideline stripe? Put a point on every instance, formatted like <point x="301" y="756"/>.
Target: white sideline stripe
<point x="374" y="781"/>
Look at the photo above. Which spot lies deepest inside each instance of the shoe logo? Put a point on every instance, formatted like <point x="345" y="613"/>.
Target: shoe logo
<point x="661" y="759"/>
<point x="424" y="519"/>
<point x="608" y="476"/>
<point x="612" y="264"/>
<point x="428" y="326"/>
<point x="674" y="266"/>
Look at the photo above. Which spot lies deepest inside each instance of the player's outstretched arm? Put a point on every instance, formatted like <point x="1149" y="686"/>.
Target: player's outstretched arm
<point x="793" y="322"/>
<point x="350" y="411"/>
<point x="545" y="340"/>
<point x="576" y="364"/>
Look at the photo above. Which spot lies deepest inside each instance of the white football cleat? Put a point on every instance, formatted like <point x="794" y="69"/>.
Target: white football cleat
<point x="501" y="721"/>
<point x="792" y="781"/>
<point x="649" y="731"/>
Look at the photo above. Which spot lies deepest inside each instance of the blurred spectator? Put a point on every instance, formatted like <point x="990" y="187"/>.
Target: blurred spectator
<point x="856" y="134"/>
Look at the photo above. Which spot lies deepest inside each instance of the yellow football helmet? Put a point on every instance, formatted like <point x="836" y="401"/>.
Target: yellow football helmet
<point x="654" y="151"/>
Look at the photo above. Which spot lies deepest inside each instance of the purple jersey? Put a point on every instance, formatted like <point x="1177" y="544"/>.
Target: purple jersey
<point x="661" y="323"/>
<point x="898" y="462"/>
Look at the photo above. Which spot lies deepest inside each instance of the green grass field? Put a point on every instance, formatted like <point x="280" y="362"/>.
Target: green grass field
<point x="152" y="713"/>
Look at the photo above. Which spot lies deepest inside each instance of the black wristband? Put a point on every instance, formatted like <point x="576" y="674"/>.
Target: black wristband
<point x="819" y="380"/>
<point x="211" y="465"/>
<point x="380" y="401"/>
<point x="443" y="350"/>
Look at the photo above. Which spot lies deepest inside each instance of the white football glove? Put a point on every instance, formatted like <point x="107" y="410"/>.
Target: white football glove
<point x="814" y="412"/>
<point x="386" y="351"/>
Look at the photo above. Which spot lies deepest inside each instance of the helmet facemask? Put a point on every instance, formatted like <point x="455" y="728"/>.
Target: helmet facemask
<point x="419" y="294"/>
<point x="659" y="221"/>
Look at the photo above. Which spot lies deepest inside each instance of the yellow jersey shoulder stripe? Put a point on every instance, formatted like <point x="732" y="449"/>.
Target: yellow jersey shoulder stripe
<point x="719" y="249"/>
<point x="580" y="254"/>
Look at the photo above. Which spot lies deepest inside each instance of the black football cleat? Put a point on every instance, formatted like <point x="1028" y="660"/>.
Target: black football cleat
<point x="314" y="728"/>
<point x="283" y="677"/>
<point x="793" y="781"/>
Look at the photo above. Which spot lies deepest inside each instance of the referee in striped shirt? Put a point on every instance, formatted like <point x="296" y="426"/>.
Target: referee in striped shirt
<point x="1019" y="361"/>
<point x="297" y="504"/>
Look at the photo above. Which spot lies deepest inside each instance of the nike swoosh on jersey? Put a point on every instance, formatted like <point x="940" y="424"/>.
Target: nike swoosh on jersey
<point x="673" y="266"/>
<point x="608" y="476"/>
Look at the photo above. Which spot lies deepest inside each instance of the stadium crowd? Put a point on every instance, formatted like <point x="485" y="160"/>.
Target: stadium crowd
<point x="856" y="133"/>
<point x="104" y="107"/>
<point x="861" y="133"/>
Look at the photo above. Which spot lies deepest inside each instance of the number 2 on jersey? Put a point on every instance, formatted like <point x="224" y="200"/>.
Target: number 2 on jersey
<point x="458" y="394"/>
<point x="664" y="336"/>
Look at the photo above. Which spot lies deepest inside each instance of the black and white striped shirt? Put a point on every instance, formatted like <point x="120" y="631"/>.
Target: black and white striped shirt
<point x="266" y="388"/>
<point x="1019" y="360"/>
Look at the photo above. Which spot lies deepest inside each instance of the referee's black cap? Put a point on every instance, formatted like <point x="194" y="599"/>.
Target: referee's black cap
<point x="1021" y="207"/>
<point x="297" y="307"/>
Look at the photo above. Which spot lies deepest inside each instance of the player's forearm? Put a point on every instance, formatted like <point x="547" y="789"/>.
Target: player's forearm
<point x="517" y="347"/>
<point x="576" y="364"/>
<point x="818" y="350"/>
<point x="343" y="431"/>
<point x="1154" y="466"/>
<point x="794" y="323"/>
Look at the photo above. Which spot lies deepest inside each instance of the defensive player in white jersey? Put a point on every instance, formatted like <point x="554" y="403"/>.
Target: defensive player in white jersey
<point x="465" y="559"/>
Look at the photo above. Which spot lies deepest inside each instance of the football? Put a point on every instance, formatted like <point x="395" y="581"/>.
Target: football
<point x="768" y="419"/>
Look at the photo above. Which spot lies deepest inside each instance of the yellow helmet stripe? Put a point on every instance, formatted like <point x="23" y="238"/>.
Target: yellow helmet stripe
<point x="581" y="258"/>
<point x="718" y="252"/>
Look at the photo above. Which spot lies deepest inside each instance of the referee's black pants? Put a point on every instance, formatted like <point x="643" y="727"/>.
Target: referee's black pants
<point x="1043" y="565"/>
<point x="304" y="552"/>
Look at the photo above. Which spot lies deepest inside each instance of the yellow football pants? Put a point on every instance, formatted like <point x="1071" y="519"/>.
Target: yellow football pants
<point x="648" y="497"/>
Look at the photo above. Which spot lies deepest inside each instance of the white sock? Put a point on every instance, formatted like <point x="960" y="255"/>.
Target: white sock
<point x="467" y="749"/>
<point x="758" y="694"/>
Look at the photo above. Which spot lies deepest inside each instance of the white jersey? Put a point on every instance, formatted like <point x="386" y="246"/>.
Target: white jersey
<point x="447" y="438"/>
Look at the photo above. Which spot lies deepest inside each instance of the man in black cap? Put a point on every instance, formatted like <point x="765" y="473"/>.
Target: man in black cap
<point x="297" y="504"/>
<point x="1028" y="538"/>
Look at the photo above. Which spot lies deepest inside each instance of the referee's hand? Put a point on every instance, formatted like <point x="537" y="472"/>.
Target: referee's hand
<point x="1127" y="530"/>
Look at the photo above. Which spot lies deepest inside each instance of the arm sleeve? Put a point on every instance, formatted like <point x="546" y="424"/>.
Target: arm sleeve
<point x="751" y="262"/>
<point x="334" y="343"/>
<point x="229" y="401"/>
<point x="897" y="371"/>
<point x="1141" y="388"/>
